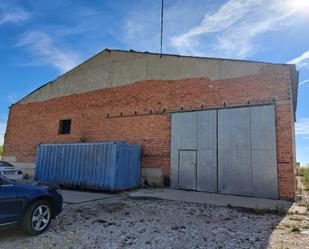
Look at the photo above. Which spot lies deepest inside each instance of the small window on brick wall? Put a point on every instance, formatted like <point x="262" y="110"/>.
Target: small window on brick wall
<point x="65" y="126"/>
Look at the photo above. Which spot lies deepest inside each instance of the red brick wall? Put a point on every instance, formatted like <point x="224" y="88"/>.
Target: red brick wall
<point x="34" y="123"/>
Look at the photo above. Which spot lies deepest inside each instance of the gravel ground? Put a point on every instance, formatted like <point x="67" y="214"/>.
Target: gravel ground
<point x="143" y="223"/>
<point x="127" y="223"/>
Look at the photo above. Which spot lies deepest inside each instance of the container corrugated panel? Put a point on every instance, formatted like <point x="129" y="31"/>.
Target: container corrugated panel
<point x="107" y="166"/>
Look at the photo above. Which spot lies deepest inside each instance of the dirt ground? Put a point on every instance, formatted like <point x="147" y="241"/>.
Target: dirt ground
<point x="140" y="223"/>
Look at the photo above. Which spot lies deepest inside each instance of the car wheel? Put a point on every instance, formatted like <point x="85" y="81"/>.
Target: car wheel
<point x="37" y="217"/>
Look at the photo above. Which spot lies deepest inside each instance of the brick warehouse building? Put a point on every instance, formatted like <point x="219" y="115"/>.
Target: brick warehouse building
<point x="205" y="124"/>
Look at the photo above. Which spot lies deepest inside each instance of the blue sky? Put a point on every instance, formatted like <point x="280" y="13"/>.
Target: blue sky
<point x="40" y="40"/>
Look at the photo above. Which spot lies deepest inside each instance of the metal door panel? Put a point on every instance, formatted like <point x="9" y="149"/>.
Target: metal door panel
<point x="234" y="172"/>
<point x="263" y="128"/>
<point x="184" y="130"/>
<point x="187" y="169"/>
<point x="234" y="129"/>
<point x="207" y="130"/>
<point x="207" y="170"/>
<point x="207" y="151"/>
<point x="264" y="167"/>
<point x="234" y="154"/>
<point x="174" y="168"/>
<point x="264" y="160"/>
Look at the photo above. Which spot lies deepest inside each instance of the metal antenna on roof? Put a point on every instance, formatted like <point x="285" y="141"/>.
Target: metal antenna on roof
<point x="161" y="42"/>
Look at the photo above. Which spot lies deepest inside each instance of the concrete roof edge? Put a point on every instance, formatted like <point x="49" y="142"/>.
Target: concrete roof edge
<point x="194" y="57"/>
<point x="294" y="76"/>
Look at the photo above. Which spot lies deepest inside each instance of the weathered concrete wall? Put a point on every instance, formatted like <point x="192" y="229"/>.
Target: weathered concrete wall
<point x="34" y="123"/>
<point x="116" y="68"/>
<point x="152" y="177"/>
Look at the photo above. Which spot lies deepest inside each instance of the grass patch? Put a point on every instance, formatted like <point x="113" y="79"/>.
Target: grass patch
<point x="295" y="229"/>
<point x="282" y="210"/>
<point x="296" y="218"/>
<point x="282" y="247"/>
<point x="304" y="171"/>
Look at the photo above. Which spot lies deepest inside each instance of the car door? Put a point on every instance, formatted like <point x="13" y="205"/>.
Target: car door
<point x="8" y="204"/>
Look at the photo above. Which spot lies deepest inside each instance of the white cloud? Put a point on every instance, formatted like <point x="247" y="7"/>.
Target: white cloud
<point x="302" y="127"/>
<point x="46" y="52"/>
<point x="233" y="27"/>
<point x="12" y="16"/>
<point x="2" y="131"/>
<point x="301" y="61"/>
<point x="303" y="82"/>
<point x="132" y="28"/>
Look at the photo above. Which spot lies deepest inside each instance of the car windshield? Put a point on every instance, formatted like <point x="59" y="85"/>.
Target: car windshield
<point x="6" y="180"/>
<point x="5" y="164"/>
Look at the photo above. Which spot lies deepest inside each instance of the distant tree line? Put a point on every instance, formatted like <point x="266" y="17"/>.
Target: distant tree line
<point x="1" y="151"/>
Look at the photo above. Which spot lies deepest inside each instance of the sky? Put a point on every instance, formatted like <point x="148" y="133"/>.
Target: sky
<point x="40" y="40"/>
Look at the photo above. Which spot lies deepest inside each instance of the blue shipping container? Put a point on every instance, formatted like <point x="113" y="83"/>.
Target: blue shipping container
<point x="108" y="166"/>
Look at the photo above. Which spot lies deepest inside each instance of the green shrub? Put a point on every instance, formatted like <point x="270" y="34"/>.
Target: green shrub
<point x="295" y="229"/>
<point x="302" y="171"/>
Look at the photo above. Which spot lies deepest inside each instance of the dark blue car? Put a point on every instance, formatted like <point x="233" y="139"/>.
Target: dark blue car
<point x="30" y="205"/>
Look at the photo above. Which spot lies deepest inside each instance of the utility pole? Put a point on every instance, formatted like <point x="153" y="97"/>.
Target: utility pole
<point x="161" y="41"/>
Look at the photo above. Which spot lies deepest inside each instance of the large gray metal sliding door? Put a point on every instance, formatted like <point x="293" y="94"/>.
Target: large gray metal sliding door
<point x="230" y="150"/>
